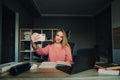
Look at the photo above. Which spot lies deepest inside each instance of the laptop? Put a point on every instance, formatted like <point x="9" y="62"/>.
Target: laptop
<point x="84" y="60"/>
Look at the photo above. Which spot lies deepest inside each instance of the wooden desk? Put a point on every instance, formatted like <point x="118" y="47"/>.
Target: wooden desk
<point x="39" y="73"/>
<point x="54" y="74"/>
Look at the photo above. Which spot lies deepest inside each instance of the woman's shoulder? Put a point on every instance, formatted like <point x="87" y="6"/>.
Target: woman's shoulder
<point x="50" y="45"/>
<point x="67" y="47"/>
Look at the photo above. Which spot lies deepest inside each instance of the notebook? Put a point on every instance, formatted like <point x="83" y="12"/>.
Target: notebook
<point x="84" y="60"/>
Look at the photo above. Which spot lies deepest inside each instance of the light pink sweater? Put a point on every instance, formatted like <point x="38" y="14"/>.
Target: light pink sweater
<point x="55" y="53"/>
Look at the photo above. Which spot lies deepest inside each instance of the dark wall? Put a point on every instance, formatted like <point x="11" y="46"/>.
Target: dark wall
<point x="25" y="19"/>
<point x="8" y="35"/>
<point x="82" y="29"/>
<point x="0" y="27"/>
<point x="104" y="33"/>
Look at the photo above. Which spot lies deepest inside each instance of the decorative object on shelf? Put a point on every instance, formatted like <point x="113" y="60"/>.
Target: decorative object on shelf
<point x="27" y="35"/>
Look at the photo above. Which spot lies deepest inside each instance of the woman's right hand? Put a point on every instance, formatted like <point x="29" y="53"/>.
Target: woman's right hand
<point x="35" y="37"/>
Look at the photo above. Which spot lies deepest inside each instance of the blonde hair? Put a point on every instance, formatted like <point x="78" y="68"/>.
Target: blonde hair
<point x="64" y="42"/>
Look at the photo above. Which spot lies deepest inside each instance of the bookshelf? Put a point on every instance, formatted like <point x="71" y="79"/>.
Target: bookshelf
<point x="26" y="52"/>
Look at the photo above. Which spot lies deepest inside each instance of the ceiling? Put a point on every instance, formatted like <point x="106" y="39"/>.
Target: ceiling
<point x="65" y="7"/>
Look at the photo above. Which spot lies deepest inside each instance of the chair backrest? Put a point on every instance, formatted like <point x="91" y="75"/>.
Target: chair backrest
<point x="72" y="46"/>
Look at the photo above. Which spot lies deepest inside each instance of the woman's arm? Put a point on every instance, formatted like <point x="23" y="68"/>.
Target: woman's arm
<point x="68" y="55"/>
<point x="40" y="51"/>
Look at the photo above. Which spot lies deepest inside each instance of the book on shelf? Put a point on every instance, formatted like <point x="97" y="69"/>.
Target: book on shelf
<point x="53" y="64"/>
<point x="108" y="72"/>
<point x="108" y="66"/>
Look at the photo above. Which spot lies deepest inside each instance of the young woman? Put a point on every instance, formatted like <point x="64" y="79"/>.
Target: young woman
<point x="59" y="50"/>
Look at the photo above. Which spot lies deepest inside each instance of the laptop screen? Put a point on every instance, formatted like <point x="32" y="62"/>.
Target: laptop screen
<point x="84" y="60"/>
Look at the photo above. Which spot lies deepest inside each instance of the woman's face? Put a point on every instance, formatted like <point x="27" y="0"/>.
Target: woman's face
<point x="59" y="37"/>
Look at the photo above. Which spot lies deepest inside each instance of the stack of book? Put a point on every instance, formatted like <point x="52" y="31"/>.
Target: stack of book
<point x="108" y="68"/>
<point x="5" y="67"/>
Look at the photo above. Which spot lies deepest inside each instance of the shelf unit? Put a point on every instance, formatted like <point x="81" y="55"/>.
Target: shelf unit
<point x="26" y="52"/>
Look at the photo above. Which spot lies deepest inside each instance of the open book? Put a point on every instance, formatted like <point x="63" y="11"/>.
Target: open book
<point x="53" y="64"/>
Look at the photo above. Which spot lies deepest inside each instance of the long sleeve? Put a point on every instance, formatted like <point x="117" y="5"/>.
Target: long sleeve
<point x="55" y="53"/>
<point x="68" y="55"/>
<point x="42" y="51"/>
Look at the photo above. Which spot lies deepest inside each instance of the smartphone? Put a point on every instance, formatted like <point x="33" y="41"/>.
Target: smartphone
<point x="42" y="37"/>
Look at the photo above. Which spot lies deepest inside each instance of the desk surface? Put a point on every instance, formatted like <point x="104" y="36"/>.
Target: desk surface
<point x="55" y="74"/>
<point x="41" y="73"/>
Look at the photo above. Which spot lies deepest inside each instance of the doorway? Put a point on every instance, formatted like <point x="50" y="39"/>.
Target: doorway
<point x="8" y="35"/>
